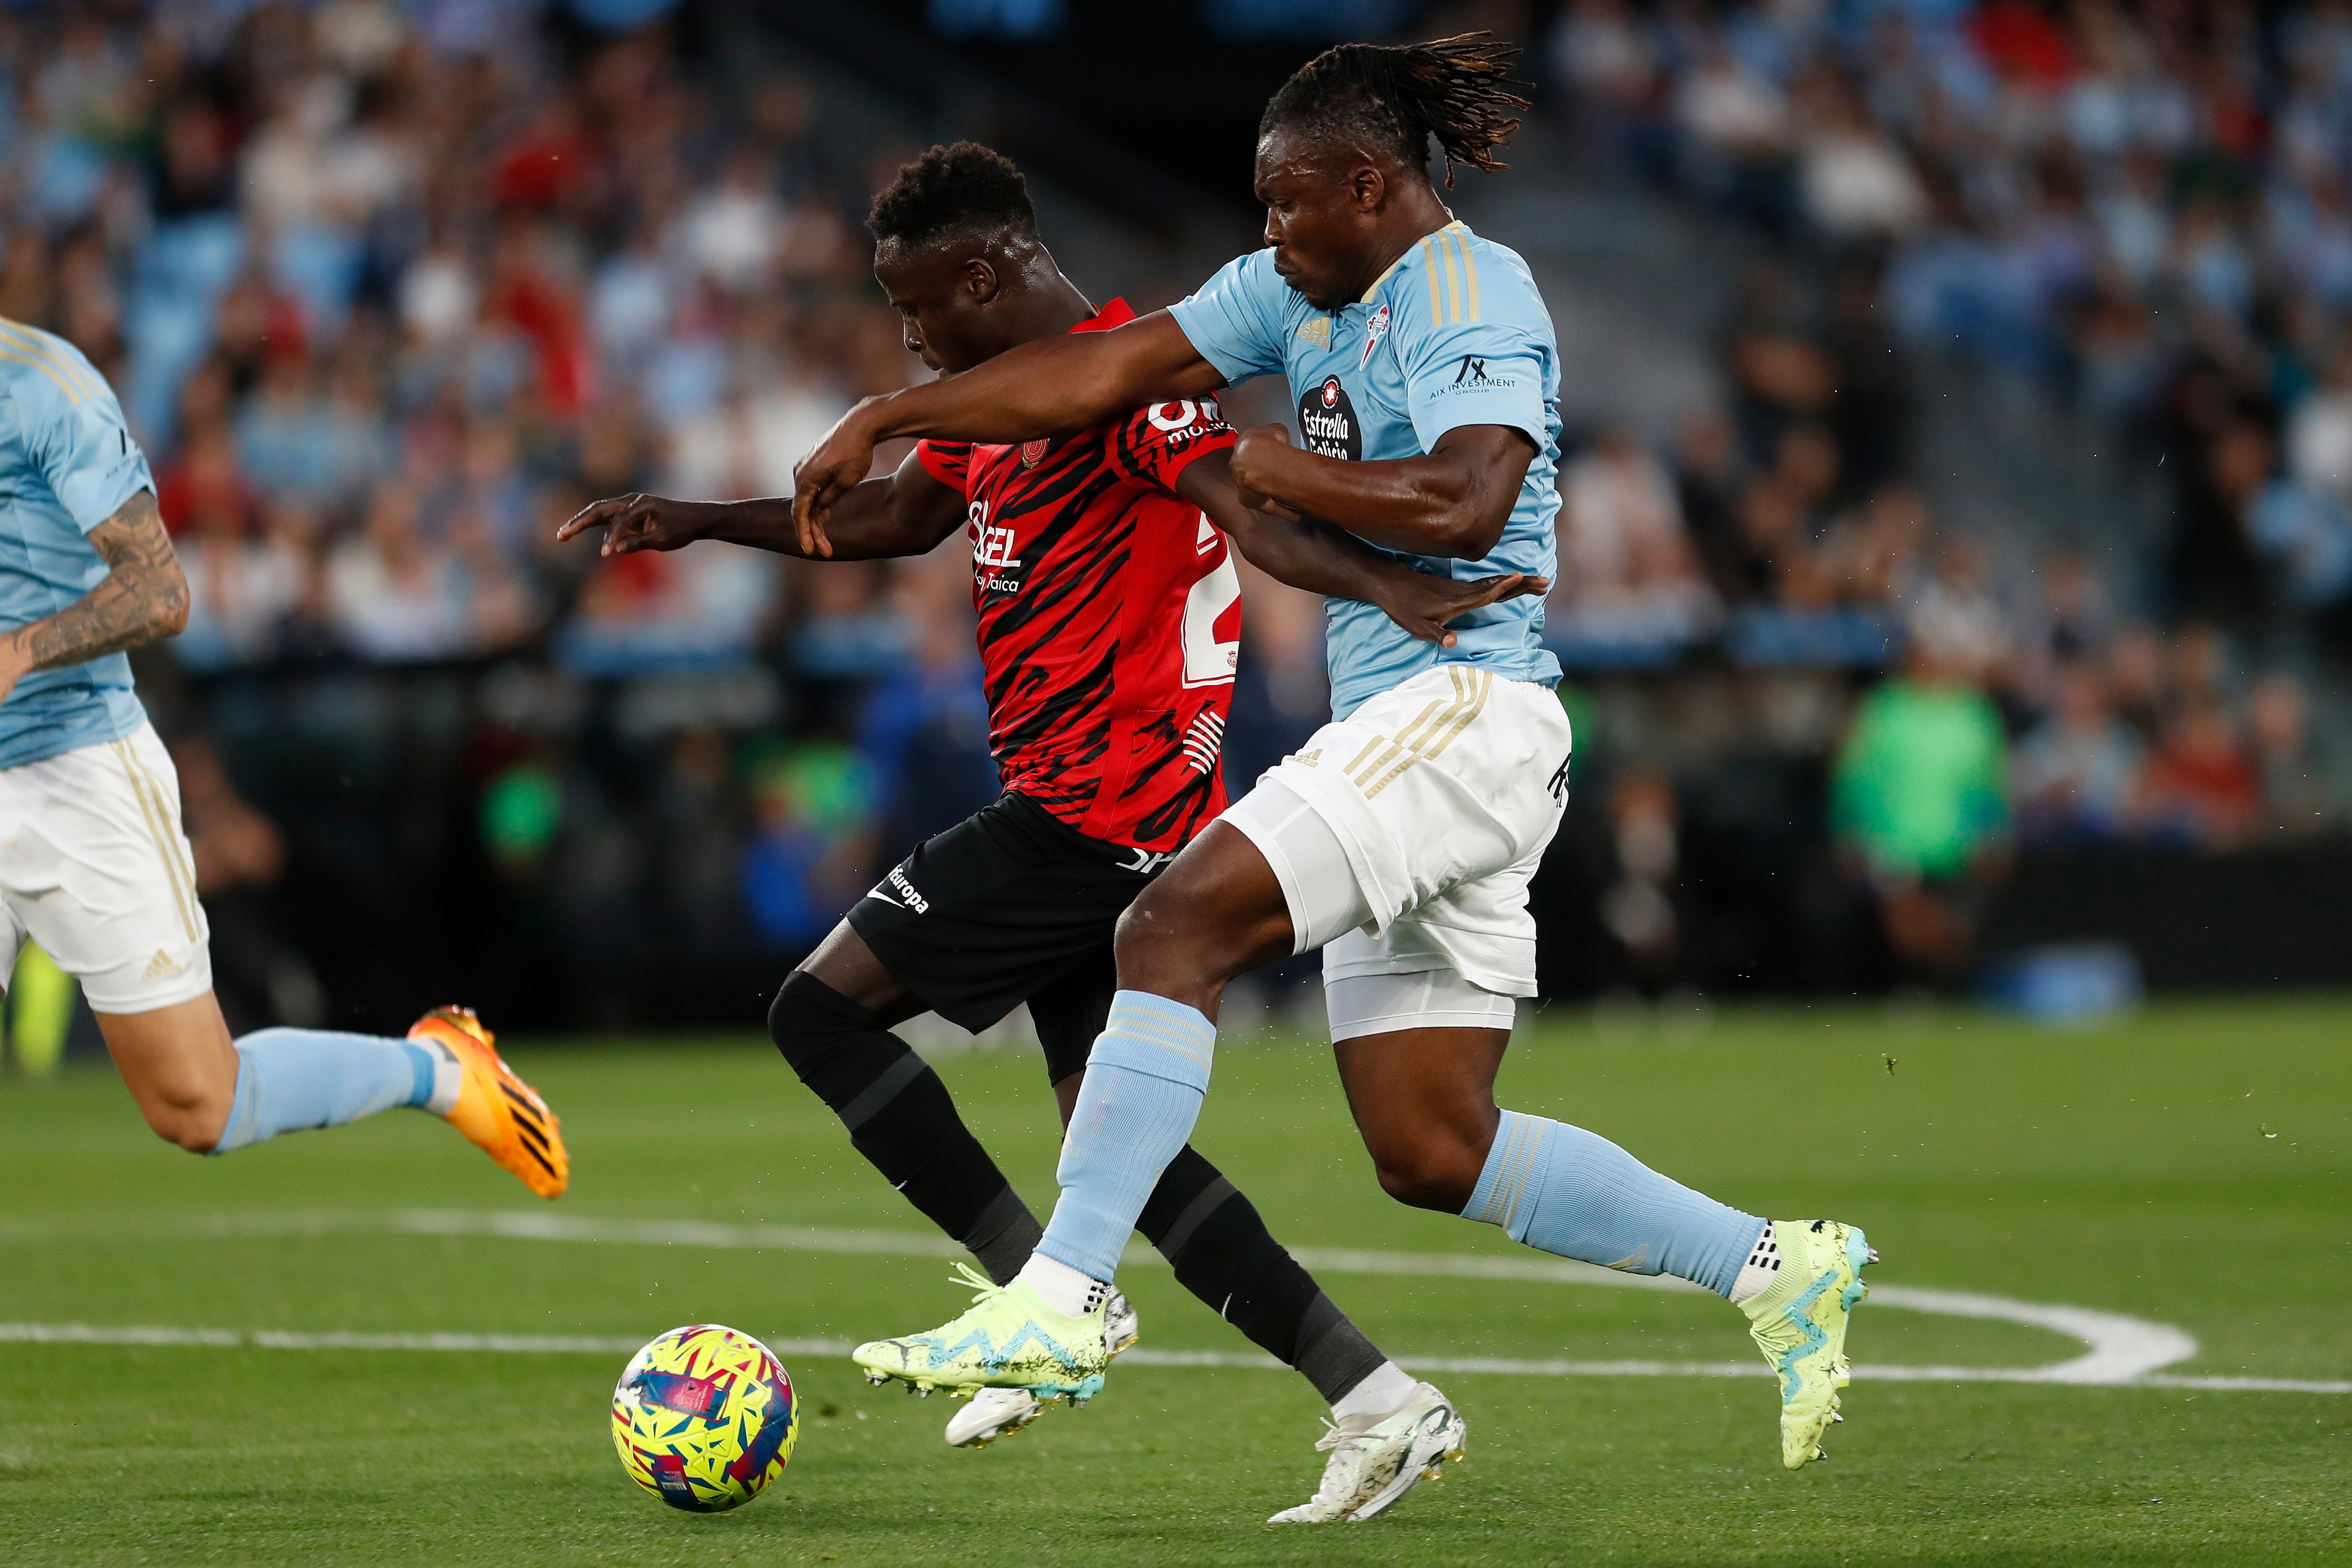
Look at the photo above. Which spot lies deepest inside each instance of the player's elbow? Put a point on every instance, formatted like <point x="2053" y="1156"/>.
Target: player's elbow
<point x="1459" y="519"/>
<point x="1456" y="534"/>
<point x="170" y="599"/>
<point x="1470" y="536"/>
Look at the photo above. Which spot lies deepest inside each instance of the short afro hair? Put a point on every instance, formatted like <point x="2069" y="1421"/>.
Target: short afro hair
<point x="966" y="186"/>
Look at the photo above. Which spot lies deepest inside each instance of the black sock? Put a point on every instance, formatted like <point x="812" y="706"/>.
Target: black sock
<point x="899" y="1116"/>
<point x="1223" y="1254"/>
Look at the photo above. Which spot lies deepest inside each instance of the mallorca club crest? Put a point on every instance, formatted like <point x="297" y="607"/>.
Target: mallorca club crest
<point x="1374" y="330"/>
<point x="1033" y="452"/>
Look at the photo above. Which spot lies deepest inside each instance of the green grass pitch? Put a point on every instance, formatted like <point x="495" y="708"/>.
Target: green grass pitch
<point x="2189" y="1167"/>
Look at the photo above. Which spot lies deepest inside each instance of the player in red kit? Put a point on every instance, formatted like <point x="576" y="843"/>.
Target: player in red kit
<point x="1105" y="707"/>
<point x="1109" y="628"/>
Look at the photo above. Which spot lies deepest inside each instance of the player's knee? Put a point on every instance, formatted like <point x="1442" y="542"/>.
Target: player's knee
<point x="1177" y="934"/>
<point x="837" y="1047"/>
<point x="1151" y="944"/>
<point x="783" y="1017"/>
<point x="191" y="1117"/>
<point x="810" y="1021"/>
<point x="1429" y="1168"/>
<point x="1143" y="939"/>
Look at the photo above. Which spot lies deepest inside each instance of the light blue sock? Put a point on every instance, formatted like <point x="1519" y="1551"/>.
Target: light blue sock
<point x="1145" y="1081"/>
<point x="1577" y="1194"/>
<point x="287" y="1079"/>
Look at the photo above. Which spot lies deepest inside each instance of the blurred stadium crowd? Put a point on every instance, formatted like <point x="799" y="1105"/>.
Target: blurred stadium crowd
<point x="2149" y="206"/>
<point x="2142" y="208"/>
<point x="390" y="288"/>
<point x="389" y="292"/>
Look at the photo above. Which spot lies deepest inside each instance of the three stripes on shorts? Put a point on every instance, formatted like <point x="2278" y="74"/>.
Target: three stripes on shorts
<point x="1382" y="762"/>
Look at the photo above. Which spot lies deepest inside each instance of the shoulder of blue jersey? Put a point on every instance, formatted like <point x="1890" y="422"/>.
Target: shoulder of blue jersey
<point x="42" y="370"/>
<point x="1454" y="277"/>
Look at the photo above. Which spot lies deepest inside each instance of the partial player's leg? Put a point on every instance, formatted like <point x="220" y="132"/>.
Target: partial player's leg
<point x="213" y="1095"/>
<point x="1424" y="1102"/>
<point x="96" y="869"/>
<point x="1419" y="1070"/>
<point x="972" y="923"/>
<point x="968" y="925"/>
<point x="1216" y="912"/>
<point x="1220" y="1251"/>
<point x="1375" y="821"/>
<point x="832" y="1021"/>
<point x="181" y="1066"/>
<point x="1389" y="1430"/>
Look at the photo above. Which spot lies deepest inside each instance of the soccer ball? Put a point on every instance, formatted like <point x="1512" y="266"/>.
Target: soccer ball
<point x="703" y="1417"/>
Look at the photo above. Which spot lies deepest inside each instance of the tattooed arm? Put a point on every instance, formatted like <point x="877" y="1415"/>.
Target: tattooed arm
<point x="143" y="597"/>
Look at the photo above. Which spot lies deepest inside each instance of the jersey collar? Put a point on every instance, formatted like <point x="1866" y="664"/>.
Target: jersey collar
<point x="1117" y="313"/>
<point x="1420" y="246"/>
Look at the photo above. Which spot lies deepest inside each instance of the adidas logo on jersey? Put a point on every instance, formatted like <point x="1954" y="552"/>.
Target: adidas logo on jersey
<point x="1316" y="330"/>
<point x="159" y="967"/>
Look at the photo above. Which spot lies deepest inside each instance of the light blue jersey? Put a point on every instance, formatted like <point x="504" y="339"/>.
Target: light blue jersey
<point x="66" y="464"/>
<point x="1452" y="334"/>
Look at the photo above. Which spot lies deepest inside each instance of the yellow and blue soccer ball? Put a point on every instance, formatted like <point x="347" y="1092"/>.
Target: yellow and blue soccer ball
<point x="703" y="1417"/>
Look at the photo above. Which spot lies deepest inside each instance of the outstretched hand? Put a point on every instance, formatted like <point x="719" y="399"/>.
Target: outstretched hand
<point x="635" y="522"/>
<point x="1423" y="605"/>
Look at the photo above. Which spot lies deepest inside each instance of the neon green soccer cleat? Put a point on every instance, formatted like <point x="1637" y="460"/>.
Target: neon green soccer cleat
<point x="1010" y="1339"/>
<point x="993" y="1413"/>
<point x="1800" y="1320"/>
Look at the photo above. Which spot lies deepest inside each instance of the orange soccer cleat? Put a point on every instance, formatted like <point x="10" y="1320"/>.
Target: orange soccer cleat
<point x="502" y="1115"/>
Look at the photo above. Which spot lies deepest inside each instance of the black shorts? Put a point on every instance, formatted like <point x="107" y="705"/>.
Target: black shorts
<point x="1009" y="905"/>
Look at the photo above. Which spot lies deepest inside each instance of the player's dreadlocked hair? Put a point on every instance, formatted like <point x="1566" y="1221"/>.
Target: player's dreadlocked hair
<point x="963" y="186"/>
<point x="1397" y="96"/>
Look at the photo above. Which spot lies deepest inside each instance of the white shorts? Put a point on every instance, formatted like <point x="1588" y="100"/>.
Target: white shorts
<point x="1404" y="837"/>
<point x="94" y="866"/>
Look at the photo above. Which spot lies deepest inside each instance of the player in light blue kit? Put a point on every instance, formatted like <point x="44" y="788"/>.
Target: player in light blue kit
<point x="1400" y="838"/>
<point x="94" y="864"/>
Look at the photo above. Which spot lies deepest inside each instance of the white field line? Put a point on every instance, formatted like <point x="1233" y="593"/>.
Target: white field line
<point x="609" y="1344"/>
<point x="2119" y="1350"/>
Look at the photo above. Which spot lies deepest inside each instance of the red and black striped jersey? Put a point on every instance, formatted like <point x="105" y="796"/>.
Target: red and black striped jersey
<point x="1110" y="617"/>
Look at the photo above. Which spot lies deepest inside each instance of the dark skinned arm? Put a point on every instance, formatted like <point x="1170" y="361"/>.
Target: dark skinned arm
<point x="142" y="598"/>
<point x="904" y="514"/>
<point x="1047" y="387"/>
<point x="1454" y="502"/>
<point x="1321" y="559"/>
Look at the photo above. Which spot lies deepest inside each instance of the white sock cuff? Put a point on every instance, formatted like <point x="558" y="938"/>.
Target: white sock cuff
<point x="1763" y="1266"/>
<point x="448" y="1077"/>
<point x="1384" y="1389"/>
<point x="1066" y="1289"/>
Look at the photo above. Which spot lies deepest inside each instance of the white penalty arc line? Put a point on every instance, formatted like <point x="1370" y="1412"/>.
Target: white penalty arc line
<point x="2120" y="1350"/>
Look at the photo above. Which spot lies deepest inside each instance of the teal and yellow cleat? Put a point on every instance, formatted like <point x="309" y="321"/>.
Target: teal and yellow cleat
<point x="1010" y="1339"/>
<point x="1800" y="1320"/>
<point x="993" y="1413"/>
